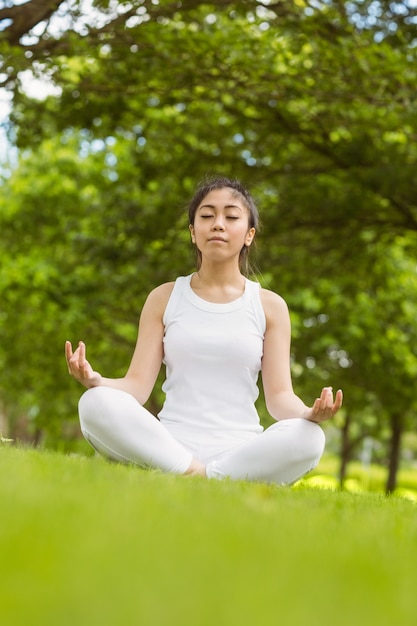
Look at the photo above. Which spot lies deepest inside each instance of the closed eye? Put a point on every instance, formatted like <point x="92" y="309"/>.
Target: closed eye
<point x="228" y="217"/>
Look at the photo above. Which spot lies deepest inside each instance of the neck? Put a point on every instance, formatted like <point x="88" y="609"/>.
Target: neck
<point x="219" y="275"/>
<point x="218" y="284"/>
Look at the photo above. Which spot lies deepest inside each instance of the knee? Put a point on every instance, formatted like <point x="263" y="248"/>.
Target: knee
<point x="308" y="447"/>
<point x="315" y="437"/>
<point x="94" y="405"/>
<point x="308" y="439"/>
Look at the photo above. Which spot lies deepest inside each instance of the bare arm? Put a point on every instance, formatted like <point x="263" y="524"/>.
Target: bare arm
<point x="281" y="401"/>
<point x="147" y="357"/>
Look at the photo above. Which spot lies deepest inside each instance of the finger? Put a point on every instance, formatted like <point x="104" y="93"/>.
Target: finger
<point x="68" y="350"/>
<point x="68" y="355"/>
<point x="81" y="358"/>
<point x="74" y="365"/>
<point x="322" y="407"/>
<point x="316" y="409"/>
<point x="84" y="365"/>
<point x="338" y="400"/>
<point x="326" y="397"/>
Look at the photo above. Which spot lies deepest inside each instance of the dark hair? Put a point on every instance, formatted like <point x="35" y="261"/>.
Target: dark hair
<point x="220" y="182"/>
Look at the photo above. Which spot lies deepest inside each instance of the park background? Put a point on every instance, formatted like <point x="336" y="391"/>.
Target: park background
<point x="118" y="110"/>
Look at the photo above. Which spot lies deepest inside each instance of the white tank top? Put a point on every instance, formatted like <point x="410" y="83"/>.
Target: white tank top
<point x="212" y="354"/>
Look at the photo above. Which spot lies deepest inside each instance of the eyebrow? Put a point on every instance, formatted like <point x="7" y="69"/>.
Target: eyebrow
<point x="226" y="206"/>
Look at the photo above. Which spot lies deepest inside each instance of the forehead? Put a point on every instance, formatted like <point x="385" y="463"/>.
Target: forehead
<point x="223" y="197"/>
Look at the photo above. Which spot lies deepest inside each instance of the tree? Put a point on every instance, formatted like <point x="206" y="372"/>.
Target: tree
<point x="79" y="251"/>
<point x="323" y="108"/>
<point x="360" y="334"/>
<point x="312" y="104"/>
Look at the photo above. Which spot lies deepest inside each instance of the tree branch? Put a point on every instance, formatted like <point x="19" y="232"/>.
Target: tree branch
<point x="25" y="16"/>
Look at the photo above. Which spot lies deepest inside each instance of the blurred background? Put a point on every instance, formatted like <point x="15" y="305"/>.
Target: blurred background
<point x="112" y="113"/>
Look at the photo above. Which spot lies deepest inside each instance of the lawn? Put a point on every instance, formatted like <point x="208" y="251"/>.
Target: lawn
<point x="87" y="542"/>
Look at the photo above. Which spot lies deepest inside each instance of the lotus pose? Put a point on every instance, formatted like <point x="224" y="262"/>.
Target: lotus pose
<point x="215" y="330"/>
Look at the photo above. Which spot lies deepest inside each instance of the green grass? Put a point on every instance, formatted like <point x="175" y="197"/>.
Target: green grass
<point x="85" y="542"/>
<point x="362" y="479"/>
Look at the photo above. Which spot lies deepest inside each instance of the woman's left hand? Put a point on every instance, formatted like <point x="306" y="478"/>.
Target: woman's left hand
<point x="325" y="407"/>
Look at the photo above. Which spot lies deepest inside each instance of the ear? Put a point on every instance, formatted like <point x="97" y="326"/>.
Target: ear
<point x="191" y="227"/>
<point x="250" y="236"/>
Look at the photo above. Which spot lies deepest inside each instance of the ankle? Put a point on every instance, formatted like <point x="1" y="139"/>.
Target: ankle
<point x="196" y="469"/>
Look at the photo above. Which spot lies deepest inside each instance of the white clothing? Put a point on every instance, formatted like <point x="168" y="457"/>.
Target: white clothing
<point x="118" y="427"/>
<point x="212" y="354"/>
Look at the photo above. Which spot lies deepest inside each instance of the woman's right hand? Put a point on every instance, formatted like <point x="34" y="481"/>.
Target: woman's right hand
<point x="79" y="367"/>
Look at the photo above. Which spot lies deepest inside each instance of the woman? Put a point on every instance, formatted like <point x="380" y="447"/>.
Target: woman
<point x="215" y="330"/>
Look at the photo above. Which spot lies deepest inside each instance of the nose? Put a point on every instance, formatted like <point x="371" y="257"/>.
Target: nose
<point x="218" y="223"/>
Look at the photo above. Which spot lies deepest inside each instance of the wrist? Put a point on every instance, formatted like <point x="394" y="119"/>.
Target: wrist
<point x="96" y="381"/>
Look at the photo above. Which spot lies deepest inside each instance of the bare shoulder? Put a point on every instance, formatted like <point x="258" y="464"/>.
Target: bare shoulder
<point x="162" y="291"/>
<point x="274" y="305"/>
<point x="272" y="301"/>
<point x="157" y="299"/>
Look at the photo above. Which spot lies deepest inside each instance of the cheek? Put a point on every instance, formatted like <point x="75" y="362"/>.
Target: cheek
<point x="199" y="229"/>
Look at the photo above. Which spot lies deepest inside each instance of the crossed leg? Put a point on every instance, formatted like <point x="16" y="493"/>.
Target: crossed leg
<point x="118" y="427"/>
<point x="282" y="454"/>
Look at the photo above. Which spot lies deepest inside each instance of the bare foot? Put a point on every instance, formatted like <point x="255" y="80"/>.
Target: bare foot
<point x="196" y="469"/>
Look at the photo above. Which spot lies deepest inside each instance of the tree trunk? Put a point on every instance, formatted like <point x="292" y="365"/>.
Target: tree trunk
<point x="394" y="453"/>
<point x="3" y="424"/>
<point x="345" y="449"/>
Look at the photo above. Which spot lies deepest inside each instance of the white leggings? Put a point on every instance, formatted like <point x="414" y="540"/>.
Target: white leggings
<point x="118" y="427"/>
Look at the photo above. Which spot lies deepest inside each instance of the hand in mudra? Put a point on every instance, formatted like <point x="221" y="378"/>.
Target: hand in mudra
<point x="79" y="367"/>
<point x="325" y="407"/>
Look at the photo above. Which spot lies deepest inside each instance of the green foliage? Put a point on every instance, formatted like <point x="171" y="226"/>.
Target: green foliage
<point x="362" y="477"/>
<point x="80" y="250"/>
<point x="313" y="105"/>
<point x="83" y="541"/>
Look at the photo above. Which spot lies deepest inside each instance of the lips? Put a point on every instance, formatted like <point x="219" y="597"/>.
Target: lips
<point x="217" y="239"/>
